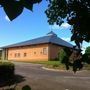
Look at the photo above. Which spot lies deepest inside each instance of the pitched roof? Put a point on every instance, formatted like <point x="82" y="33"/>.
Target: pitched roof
<point x="51" y="37"/>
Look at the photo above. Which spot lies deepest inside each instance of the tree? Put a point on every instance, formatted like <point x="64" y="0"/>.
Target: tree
<point x="64" y="55"/>
<point x="61" y="55"/>
<point x="14" y="8"/>
<point x="77" y="14"/>
<point x="87" y="51"/>
<point x="86" y="56"/>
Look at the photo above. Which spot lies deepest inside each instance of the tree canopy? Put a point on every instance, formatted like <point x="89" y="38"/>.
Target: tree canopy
<point x="86" y="55"/>
<point x="14" y="8"/>
<point x="87" y="51"/>
<point x="77" y="14"/>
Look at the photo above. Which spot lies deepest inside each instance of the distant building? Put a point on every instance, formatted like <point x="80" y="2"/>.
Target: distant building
<point x="40" y="49"/>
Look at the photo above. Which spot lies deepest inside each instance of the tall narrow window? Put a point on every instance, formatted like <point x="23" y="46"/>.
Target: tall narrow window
<point x="18" y="54"/>
<point x="41" y="52"/>
<point x="25" y="54"/>
<point x="34" y="52"/>
<point x="45" y="51"/>
<point x="10" y="54"/>
<point x="15" y="54"/>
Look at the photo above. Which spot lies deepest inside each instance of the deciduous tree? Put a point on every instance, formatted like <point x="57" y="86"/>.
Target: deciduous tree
<point x="87" y="51"/>
<point x="14" y="8"/>
<point x="77" y="14"/>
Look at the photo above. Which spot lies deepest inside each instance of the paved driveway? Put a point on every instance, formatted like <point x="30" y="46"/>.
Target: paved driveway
<point x="40" y="79"/>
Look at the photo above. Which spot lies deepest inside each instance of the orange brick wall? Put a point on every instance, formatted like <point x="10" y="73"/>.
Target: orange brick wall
<point x="34" y="53"/>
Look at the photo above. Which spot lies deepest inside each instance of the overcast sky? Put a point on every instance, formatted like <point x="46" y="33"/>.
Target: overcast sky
<point x="30" y="25"/>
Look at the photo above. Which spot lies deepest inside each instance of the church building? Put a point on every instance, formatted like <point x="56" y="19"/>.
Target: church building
<point x="39" y="49"/>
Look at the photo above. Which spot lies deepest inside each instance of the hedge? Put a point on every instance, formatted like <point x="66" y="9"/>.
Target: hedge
<point x="6" y="70"/>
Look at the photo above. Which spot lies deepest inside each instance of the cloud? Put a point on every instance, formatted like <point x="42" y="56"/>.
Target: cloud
<point x="66" y="39"/>
<point x="63" y="26"/>
<point x="6" y="17"/>
<point x="54" y="27"/>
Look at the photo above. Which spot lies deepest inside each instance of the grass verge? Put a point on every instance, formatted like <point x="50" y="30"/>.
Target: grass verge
<point x="56" y="65"/>
<point x="87" y="67"/>
<point x="51" y="64"/>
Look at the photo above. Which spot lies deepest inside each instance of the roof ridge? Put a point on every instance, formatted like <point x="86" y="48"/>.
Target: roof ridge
<point x="41" y="40"/>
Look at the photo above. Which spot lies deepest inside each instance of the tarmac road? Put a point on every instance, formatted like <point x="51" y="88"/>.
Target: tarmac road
<point x="41" y="79"/>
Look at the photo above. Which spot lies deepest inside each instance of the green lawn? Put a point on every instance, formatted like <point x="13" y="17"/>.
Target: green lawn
<point x="87" y="67"/>
<point x="46" y="62"/>
<point x="51" y="64"/>
<point x="57" y="65"/>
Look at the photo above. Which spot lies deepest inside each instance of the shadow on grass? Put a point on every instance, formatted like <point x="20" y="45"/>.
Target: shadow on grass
<point x="11" y="81"/>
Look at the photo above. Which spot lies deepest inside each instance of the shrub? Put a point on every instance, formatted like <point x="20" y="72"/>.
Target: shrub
<point x="85" y="58"/>
<point x="6" y="70"/>
<point x="61" y="55"/>
<point x="64" y="55"/>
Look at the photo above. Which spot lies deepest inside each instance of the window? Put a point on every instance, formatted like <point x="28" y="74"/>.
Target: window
<point x="25" y="54"/>
<point x="34" y="52"/>
<point x="15" y="54"/>
<point x="10" y="54"/>
<point x="41" y="52"/>
<point x="18" y="54"/>
<point x="45" y="51"/>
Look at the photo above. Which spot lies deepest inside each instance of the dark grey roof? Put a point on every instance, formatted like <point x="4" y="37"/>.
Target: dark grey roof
<point x="49" y="38"/>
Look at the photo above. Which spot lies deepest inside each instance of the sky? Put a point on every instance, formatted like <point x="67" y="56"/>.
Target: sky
<point x="30" y="25"/>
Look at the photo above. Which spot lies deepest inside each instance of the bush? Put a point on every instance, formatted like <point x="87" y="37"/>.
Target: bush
<point x="61" y="55"/>
<point x="6" y="70"/>
<point x="85" y="58"/>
